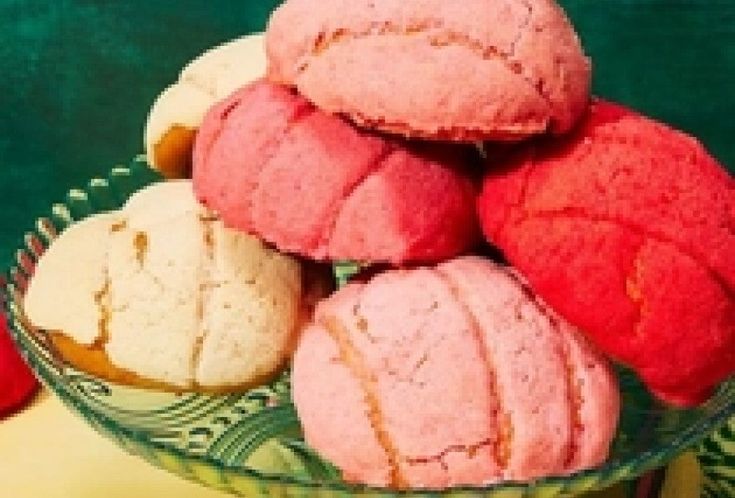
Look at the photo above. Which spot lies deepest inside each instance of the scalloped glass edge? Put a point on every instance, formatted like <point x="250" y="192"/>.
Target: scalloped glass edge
<point x="110" y="193"/>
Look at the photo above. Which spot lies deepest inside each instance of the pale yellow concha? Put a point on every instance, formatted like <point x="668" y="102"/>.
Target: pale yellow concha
<point x="180" y="109"/>
<point x="169" y="293"/>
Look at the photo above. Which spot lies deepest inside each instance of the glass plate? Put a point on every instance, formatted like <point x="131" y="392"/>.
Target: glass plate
<point x="250" y="443"/>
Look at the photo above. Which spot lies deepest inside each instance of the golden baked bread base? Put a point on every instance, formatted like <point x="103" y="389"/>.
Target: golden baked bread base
<point x="173" y="152"/>
<point x="95" y="361"/>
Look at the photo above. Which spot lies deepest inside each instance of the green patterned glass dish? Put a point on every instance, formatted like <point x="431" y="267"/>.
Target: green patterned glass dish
<point x="250" y="443"/>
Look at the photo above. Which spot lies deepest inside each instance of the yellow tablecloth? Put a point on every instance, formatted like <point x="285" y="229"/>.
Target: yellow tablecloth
<point x="48" y="452"/>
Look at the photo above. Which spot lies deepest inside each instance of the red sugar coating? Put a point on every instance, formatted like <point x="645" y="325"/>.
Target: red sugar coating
<point x="308" y="182"/>
<point x="17" y="383"/>
<point x="627" y="228"/>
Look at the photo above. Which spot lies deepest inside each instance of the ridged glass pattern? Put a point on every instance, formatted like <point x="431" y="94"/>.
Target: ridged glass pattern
<point x="250" y="443"/>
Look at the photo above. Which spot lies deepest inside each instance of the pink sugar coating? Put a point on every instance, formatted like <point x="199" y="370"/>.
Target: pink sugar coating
<point x="466" y="71"/>
<point x="272" y="165"/>
<point x="473" y="380"/>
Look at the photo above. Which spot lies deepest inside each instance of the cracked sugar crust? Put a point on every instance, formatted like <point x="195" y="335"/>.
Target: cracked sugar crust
<point x="499" y="417"/>
<point x="596" y="397"/>
<point x="358" y="364"/>
<point x="667" y="318"/>
<point x="251" y="307"/>
<point x="197" y="305"/>
<point x="478" y="70"/>
<point x="538" y="376"/>
<point x="622" y="168"/>
<point x="422" y="348"/>
<point x="611" y="205"/>
<point x="592" y="388"/>
<point x="153" y="326"/>
<point x="312" y="184"/>
<point x="425" y="201"/>
<point x="167" y="297"/>
<point x="319" y="164"/>
<point x="219" y="164"/>
<point x="78" y="314"/>
<point x="405" y="355"/>
<point x="328" y="394"/>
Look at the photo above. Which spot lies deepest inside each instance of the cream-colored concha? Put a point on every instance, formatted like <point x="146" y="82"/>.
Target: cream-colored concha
<point x="67" y="284"/>
<point x="179" y="110"/>
<point x="169" y="293"/>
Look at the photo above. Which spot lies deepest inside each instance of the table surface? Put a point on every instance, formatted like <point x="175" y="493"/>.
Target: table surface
<point x="46" y="451"/>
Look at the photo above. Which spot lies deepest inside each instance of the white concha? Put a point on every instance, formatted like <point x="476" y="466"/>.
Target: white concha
<point x="170" y="293"/>
<point x="155" y="268"/>
<point x="252" y="287"/>
<point x="223" y="69"/>
<point x="178" y="111"/>
<point x="69" y="281"/>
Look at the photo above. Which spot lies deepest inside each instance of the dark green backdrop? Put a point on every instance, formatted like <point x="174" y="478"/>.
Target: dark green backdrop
<point x="77" y="77"/>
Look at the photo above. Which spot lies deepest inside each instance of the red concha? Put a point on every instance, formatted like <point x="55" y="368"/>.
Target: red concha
<point x="17" y="383"/>
<point x="627" y="228"/>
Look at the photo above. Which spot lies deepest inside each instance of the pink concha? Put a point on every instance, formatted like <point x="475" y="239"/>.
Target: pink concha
<point x="453" y="375"/>
<point x="463" y="71"/>
<point x="273" y="165"/>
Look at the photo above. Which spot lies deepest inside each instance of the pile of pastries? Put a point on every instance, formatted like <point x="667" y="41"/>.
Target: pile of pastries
<point x="517" y="236"/>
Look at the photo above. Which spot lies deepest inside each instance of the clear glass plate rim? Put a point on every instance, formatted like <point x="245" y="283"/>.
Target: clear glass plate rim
<point x="684" y="441"/>
<point x="687" y="439"/>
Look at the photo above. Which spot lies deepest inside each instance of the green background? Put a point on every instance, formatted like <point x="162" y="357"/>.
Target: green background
<point x="77" y="77"/>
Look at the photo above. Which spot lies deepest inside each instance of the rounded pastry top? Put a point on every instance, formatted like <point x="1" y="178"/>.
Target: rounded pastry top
<point x="272" y="164"/>
<point x="169" y="294"/>
<point x="627" y="228"/>
<point x="178" y="111"/>
<point x="453" y="375"/>
<point x="463" y="71"/>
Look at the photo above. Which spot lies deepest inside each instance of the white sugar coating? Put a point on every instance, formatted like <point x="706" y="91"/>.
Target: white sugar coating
<point x="250" y="310"/>
<point x="172" y="294"/>
<point x="210" y="77"/>
<point x="223" y="69"/>
<point x="168" y="111"/>
<point x="61" y="294"/>
<point x="155" y="265"/>
<point x="162" y="202"/>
